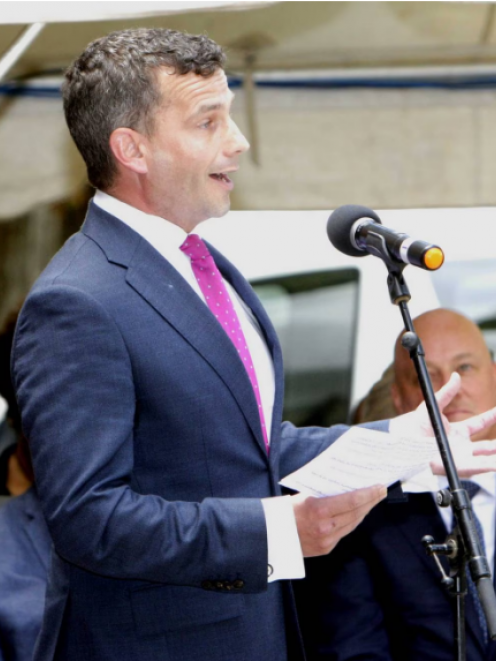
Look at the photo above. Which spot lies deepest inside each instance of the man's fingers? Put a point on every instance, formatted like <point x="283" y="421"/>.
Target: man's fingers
<point x="477" y="466"/>
<point x="445" y="394"/>
<point x="471" y="459"/>
<point x="345" y="503"/>
<point x="477" y="423"/>
<point x="322" y="522"/>
<point x="484" y="448"/>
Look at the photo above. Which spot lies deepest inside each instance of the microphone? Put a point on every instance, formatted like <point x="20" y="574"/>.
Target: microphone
<point x="358" y="231"/>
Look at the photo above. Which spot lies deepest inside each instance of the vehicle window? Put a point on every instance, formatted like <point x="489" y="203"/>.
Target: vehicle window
<point x="470" y="288"/>
<point x="315" y="318"/>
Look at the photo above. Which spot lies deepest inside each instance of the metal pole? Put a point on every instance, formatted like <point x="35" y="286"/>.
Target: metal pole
<point x="20" y="45"/>
<point x="249" y="90"/>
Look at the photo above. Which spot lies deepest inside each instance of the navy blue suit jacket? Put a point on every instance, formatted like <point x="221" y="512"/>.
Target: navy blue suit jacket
<point x="149" y="459"/>
<point x="24" y="556"/>
<point x="378" y="596"/>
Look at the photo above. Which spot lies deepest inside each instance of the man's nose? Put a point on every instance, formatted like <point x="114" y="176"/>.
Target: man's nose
<point x="237" y="143"/>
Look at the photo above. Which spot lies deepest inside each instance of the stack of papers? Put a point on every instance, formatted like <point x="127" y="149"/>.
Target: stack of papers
<point x="363" y="457"/>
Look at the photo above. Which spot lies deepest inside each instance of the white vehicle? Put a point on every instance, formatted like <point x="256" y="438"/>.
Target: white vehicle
<point x="333" y="313"/>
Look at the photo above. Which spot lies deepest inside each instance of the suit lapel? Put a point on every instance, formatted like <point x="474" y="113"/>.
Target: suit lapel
<point x="156" y="281"/>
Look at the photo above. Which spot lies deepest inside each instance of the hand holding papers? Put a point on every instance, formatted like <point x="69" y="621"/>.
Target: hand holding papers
<point x="322" y="522"/>
<point x="339" y="487"/>
<point x="471" y="458"/>
<point x="409" y="453"/>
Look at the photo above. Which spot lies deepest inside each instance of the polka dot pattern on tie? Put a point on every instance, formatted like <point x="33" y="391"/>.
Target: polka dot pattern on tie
<point x="212" y="285"/>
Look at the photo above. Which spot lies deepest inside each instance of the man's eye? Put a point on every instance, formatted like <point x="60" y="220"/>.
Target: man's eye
<point x="206" y="124"/>
<point x="465" y="367"/>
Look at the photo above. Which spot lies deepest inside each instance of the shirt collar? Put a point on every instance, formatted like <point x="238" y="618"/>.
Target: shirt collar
<point x="161" y="233"/>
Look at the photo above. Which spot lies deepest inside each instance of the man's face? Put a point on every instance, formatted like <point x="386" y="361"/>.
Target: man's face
<point x="452" y="344"/>
<point x="193" y="149"/>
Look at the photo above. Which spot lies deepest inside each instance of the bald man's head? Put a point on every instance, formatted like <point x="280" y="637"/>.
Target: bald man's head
<point x="452" y="343"/>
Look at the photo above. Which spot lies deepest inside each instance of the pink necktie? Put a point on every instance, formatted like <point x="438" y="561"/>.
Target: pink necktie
<point x="215" y="292"/>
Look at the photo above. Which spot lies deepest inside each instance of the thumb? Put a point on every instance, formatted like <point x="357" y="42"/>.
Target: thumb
<point x="450" y="389"/>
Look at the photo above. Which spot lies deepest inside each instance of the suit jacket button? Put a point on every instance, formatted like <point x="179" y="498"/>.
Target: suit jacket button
<point x="220" y="585"/>
<point x="238" y="584"/>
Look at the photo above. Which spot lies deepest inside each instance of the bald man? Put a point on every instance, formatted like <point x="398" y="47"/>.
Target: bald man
<point x="383" y="600"/>
<point x="452" y="343"/>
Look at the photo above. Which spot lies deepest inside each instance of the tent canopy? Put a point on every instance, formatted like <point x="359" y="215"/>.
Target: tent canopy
<point x="281" y="35"/>
<point x="266" y="38"/>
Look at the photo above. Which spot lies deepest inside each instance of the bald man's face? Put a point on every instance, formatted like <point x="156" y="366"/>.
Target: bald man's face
<point x="452" y="344"/>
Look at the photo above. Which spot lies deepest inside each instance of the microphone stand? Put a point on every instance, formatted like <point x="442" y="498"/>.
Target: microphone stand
<point x="464" y="545"/>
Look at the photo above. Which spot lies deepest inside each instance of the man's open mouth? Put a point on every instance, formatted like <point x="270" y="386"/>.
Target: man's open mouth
<point x="225" y="182"/>
<point x="220" y="176"/>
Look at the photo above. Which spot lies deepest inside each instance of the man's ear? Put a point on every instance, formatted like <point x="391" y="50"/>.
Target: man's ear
<point x="127" y="148"/>
<point x="396" y="397"/>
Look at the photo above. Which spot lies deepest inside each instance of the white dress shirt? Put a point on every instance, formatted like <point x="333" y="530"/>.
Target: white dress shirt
<point x="284" y="550"/>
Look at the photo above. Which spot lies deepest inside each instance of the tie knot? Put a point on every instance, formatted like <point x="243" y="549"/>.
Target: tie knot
<point x="195" y="248"/>
<point x="470" y="487"/>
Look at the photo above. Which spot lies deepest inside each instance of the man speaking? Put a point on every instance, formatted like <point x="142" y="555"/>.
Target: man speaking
<point x="151" y="385"/>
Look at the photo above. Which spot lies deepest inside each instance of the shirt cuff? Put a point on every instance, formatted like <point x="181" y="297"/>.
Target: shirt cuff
<point x="285" y="558"/>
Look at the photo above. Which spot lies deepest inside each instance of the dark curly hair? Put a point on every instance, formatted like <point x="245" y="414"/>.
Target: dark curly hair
<point x="112" y="84"/>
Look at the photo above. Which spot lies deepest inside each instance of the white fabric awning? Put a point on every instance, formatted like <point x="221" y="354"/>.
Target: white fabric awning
<point x="345" y="39"/>
<point x="24" y="12"/>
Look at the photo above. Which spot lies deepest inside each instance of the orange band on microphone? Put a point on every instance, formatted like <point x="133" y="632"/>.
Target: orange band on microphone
<point x="433" y="258"/>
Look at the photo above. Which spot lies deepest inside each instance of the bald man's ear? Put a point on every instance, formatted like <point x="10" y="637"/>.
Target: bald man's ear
<point x="127" y="147"/>
<point x="396" y="397"/>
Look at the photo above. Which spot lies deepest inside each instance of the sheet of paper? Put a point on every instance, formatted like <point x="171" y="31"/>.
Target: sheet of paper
<point x="360" y="458"/>
<point x="422" y="482"/>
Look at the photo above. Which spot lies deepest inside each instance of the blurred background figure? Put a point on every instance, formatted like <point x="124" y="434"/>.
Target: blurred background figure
<point x="7" y="444"/>
<point x="24" y="539"/>
<point x="383" y="600"/>
<point x="378" y="403"/>
<point x="16" y="473"/>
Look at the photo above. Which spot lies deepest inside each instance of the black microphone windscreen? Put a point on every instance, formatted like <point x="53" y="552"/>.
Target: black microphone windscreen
<point x="339" y="227"/>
